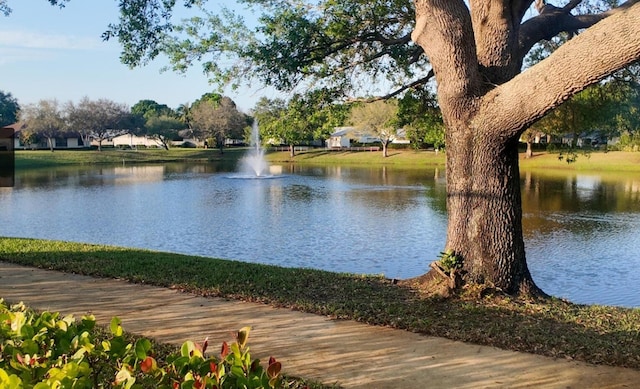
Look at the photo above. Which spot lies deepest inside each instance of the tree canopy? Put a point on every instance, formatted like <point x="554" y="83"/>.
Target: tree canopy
<point x="46" y="119"/>
<point x="216" y="117"/>
<point x="379" y="118"/>
<point x="9" y="108"/>
<point x="98" y="119"/>
<point x="150" y="108"/>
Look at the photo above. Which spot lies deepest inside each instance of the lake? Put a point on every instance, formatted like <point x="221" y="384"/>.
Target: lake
<point x="582" y="232"/>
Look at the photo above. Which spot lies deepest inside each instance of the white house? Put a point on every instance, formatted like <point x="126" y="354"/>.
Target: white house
<point x="340" y="138"/>
<point x="134" y="141"/>
<point x="401" y="137"/>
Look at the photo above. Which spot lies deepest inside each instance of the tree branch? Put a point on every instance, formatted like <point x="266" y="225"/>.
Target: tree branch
<point x="553" y="20"/>
<point x="571" y="5"/>
<point x="444" y="30"/>
<point x="519" y="8"/>
<point x="396" y="92"/>
<point x="589" y="57"/>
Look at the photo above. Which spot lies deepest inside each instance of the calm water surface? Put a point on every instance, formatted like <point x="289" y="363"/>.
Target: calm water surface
<point x="582" y="232"/>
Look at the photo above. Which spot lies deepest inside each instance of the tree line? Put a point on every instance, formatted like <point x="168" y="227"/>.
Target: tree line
<point x="215" y="119"/>
<point x="212" y="117"/>
<point x="611" y="107"/>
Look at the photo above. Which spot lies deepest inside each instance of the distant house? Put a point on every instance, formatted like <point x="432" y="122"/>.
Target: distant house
<point x="339" y="138"/>
<point x="68" y="141"/>
<point x="401" y="137"/>
<point x="134" y="141"/>
<point x="342" y="137"/>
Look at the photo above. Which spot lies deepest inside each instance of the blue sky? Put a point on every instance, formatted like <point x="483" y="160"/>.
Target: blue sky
<point x="47" y="52"/>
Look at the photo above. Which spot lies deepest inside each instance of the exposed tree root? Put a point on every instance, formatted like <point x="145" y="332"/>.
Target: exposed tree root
<point x="437" y="282"/>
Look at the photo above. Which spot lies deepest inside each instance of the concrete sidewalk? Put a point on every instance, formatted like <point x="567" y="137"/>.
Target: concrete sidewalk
<point x="351" y="354"/>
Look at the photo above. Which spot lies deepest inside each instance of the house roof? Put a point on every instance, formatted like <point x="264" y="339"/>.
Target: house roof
<point x="16" y="127"/>
<point x="12" y="129"/>
<point x="340" y="133"/>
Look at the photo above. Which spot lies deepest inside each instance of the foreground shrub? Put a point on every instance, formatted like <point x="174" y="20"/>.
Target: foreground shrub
<point x="43" y="350"/>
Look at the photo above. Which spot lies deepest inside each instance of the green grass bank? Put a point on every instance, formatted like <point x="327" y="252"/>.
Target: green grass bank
<point x="551" y="327"/>
<point x="44" y="158"/>
<point x="600" y="162"/>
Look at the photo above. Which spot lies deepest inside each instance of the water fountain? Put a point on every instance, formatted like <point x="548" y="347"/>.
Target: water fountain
<point x="254" y="164"/>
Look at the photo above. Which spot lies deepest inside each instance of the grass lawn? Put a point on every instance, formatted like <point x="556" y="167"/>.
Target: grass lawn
<point x="597" y="162"/>
<point x="552" y="327"/>
<point x="45" y="158"/>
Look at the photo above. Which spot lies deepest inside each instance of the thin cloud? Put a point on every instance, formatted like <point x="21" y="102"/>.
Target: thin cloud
<point x="37" y="40"/>
<point x="15" y="55"/>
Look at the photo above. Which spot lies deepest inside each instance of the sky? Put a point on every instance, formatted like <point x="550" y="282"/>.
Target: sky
<point x="47" y="53"/>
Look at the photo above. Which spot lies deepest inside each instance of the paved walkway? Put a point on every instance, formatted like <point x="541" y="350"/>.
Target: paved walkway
<point x="351" y="354"/>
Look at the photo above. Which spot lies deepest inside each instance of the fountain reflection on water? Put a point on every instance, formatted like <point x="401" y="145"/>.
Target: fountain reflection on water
<point x="254" y="164"/>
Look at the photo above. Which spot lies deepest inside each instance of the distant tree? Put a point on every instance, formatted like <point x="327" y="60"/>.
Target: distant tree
<point x="304" y="118"/>
<point x="379" y="118"/>
<point x="419" y="114"/>
<point x="100" y="119"/>
<point x="623" y="111"/>
<point x="208" y="98"/>
<point x="529" y="136"/>
<point x="324" y="112"/>
<point x="149" y="108"/>
<point x="268" y="113"/>
<point x="183" y="113"/>
<point x="27" y="137"/>
<point x="217" y="120"/>
<point x="291" y="126"/>
<point x="163" y="129"/>
<point x="9" y="108"/>
<point x="45" y="119"/>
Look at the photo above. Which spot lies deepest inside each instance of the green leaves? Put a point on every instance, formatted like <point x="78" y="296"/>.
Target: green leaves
<point x="346" y="45"/>
<point x="115" y="327"/>
<point x="41" y="351"/>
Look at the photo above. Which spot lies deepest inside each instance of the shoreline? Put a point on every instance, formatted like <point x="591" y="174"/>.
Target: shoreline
<point x="614" y="162"/>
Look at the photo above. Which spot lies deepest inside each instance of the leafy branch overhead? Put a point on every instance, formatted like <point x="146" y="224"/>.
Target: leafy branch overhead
<point x="348" y="45"/>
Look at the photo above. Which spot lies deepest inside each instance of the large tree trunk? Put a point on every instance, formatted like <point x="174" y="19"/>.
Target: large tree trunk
<point x="485" y="212"/>
<point x="486" y="104"/>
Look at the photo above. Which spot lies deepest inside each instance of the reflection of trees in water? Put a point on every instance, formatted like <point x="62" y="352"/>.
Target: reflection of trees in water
<point x="107" y="175"/>
<point x="590" y="200"/>
<point x="383" y="188"/>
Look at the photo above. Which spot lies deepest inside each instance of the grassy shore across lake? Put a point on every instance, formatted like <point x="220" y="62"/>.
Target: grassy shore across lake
<point x="597" y="162"/>
<point x="552" y="327"/>
<point x="109" y="156"/>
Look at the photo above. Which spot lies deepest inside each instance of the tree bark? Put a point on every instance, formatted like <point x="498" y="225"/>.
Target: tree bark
<point x="485" y="213"/>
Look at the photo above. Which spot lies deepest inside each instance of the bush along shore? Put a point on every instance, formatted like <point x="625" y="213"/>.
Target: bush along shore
<point x="551" y="327"/>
